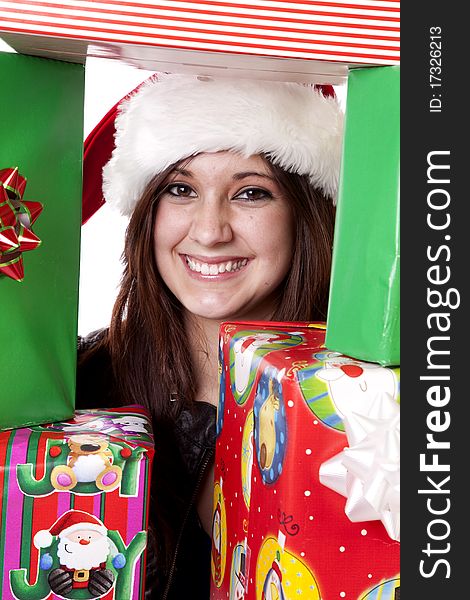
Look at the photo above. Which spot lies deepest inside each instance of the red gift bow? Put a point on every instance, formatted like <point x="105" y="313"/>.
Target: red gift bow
<point x="16" y="218"/>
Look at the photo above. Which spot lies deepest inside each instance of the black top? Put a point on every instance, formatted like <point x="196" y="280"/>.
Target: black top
<point x="184" y="449"/>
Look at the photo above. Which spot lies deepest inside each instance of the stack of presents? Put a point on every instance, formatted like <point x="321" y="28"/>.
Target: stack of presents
<point x="306" y="486"/>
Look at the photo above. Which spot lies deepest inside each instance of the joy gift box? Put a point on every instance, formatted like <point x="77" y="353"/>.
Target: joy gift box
<point x="306" y="488"/>
<point x="41" y="147"/>
<point x="74" y="507"/>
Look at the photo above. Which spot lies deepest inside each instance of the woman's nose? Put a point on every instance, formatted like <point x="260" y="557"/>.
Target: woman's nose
<point x="211" y="223"/>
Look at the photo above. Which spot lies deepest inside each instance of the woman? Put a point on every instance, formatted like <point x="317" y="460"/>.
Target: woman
<point x="229" y="185"/>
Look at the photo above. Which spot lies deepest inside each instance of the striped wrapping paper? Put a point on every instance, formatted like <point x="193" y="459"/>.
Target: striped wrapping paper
<point x="359" y="32"/>
<point x="27" y="509"/>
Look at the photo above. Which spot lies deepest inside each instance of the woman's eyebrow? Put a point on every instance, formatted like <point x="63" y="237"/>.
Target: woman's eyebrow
<point x="183" y="172"/>
<point x="244" y="174"/>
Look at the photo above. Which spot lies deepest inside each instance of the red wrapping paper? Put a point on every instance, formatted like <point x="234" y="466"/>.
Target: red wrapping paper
<point x="278" y="532"/>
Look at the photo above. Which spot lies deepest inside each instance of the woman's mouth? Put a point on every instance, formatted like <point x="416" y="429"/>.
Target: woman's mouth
<point x="215" y="268"/>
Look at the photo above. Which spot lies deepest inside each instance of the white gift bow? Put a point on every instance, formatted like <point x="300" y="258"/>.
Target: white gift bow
<point x="367" y="472"/>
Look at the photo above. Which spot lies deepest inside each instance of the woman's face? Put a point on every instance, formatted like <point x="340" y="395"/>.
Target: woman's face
<point x="224" y="236"/>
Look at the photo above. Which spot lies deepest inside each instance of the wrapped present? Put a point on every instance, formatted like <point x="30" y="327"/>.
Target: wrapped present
<point x="364" y="308"/>
<point x="267" y="36"/>
<point x="306" y="485"/>
<point x="74" y="507"/>
<point x="40" y="207"/>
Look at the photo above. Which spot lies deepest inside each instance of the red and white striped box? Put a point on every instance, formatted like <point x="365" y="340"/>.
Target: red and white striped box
<point x="297" y="39"/>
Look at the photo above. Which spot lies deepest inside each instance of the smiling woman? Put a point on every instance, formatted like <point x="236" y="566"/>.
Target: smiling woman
<point x="230" y="190"/>
<point x="208" y="246"/>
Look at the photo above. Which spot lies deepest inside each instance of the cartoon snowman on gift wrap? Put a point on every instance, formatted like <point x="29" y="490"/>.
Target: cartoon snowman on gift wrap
<point x="281" y="575"/>
<point x="272" y="589"/>
<point x="244" y="349"/>
<point x="247" y="351"/>
<point x="353" y="384"/>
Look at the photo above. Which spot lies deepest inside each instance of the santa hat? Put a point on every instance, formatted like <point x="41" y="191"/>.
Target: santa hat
<point x="275" y="567"/>
<point x="172" y="117"/>
<point x="72" y="520"/>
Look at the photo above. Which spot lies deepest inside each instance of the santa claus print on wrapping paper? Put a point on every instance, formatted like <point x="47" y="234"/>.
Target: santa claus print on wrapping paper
<point x="338" y="385"/>
<point x="247" y="348"/>
<point x="84" y="464"/>
<point x="80" y="558"/>
<point x="281" y="575"/>
<point x="354" y="384"/>
<point x="272" y="588"/>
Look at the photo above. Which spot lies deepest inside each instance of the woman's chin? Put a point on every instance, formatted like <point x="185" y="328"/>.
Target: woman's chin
<point x="230" y="308"/>
<point x="217" y="313"/>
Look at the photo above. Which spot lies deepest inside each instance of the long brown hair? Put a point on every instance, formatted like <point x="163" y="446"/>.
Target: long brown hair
<point x="146" y="336"/>
<point x="147" y="339"/>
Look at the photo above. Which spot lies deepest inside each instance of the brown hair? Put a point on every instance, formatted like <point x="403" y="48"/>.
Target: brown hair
<point x="150" y="360"/>
<point x="146" y="338"/>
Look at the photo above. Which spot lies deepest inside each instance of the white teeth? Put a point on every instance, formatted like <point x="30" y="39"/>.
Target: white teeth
<point x="215" y="269"/>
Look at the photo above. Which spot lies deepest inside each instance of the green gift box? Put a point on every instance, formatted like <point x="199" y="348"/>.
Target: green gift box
<point x="364" y="309"/>
<point x="41" y="116"/>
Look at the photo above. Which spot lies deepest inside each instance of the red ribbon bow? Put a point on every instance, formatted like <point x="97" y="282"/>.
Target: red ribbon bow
<point x="16" y="218"/>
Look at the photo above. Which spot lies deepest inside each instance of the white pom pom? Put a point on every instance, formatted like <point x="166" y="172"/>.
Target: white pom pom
<point x="42" y="539"/>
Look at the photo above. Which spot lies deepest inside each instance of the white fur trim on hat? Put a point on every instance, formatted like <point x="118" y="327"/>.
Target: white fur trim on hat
<point x="173" y="117"/>
<point x="42" y="539"/>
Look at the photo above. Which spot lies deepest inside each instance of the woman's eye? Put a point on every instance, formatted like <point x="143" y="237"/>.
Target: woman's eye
<point x="254" y="194"/>
<point x="181" y="190"/>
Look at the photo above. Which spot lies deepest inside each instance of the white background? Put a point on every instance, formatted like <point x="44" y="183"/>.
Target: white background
<point x="106" y="82"/>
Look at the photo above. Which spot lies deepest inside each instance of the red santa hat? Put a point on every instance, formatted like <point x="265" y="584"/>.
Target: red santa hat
<point x="72" y="520"/>
<point x="277" y="569"/>
<point x="171" y="117"/>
